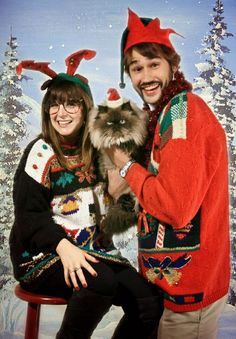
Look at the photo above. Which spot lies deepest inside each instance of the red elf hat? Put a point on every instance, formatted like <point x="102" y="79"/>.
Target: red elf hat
<point x="142" y="30"/>
<point x="150" y="32"/>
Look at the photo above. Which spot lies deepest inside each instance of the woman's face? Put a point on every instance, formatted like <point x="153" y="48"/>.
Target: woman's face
<point x="67" y="119"/>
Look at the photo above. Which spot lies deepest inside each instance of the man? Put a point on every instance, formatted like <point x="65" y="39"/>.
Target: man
<point x="182" y="188"/>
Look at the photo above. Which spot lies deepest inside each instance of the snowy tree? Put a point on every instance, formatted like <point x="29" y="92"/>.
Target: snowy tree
<point x="12" y="129"/>
<point x="216" y="85"/>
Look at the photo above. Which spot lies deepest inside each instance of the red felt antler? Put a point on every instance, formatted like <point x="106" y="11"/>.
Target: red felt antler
<point x="73" y="60"/>
<point x="36" y="66"/>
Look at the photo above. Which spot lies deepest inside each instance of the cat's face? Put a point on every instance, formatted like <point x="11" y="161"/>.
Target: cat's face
<point x="116" y="126"/>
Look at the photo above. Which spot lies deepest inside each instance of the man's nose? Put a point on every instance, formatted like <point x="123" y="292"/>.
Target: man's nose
<point x="147" y="75"/>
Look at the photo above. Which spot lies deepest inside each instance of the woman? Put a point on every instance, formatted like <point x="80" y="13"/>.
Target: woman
<point x="59" y="198"/>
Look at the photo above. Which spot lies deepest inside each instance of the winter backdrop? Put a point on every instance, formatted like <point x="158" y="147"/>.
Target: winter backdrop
<point x="50" y="31"/>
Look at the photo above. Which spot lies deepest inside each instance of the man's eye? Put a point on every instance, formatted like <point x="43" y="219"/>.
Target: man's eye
<point x="137" y="69"/>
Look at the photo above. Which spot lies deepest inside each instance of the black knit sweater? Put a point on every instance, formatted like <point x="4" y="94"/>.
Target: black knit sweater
<point x="52" y="203"/>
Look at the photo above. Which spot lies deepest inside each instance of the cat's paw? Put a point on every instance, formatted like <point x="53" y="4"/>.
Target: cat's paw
<point x="118" y="220"/>
<point x="127" y="202"/>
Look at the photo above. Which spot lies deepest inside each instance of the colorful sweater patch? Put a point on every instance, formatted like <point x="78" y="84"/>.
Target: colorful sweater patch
<point x="173" y="120"/>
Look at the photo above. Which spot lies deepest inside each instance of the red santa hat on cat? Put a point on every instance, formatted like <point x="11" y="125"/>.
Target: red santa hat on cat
<point x="113" y="98"/>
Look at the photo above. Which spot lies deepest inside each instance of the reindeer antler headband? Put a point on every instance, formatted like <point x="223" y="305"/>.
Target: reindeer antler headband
<point x="72" y="63"/>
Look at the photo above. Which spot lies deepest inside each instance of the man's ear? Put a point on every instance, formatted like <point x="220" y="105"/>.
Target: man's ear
<point x="174" y="69"/>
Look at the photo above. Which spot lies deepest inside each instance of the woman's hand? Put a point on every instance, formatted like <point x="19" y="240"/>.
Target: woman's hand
<point x="74" y="260"/>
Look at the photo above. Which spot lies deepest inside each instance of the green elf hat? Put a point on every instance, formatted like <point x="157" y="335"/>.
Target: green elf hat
<point x="142" y="30"/>
<point x="72" y="63"/>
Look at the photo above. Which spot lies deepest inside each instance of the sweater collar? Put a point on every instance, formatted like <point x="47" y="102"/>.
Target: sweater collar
<point x="176" y="86"/>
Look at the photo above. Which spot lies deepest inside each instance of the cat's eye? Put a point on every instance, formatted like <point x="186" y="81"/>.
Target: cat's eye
<point x="122" y="121"/>
<point x="109" y="123"/>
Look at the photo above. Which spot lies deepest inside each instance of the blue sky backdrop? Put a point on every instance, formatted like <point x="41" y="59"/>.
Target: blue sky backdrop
<point x="50" y="30"/>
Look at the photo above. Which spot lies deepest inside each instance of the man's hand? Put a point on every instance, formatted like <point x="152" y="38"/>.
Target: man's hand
<point x="117" y="156"/>
<point x="116" y="184"/>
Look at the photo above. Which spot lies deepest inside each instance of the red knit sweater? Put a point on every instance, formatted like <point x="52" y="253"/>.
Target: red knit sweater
<point x="185" y="195"/>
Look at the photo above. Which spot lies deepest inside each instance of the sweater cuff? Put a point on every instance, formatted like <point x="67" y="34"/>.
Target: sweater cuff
<point x="136" y="175"/>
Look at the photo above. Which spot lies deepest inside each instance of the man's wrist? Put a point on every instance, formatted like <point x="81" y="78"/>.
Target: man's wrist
<point x="124" y="169"/>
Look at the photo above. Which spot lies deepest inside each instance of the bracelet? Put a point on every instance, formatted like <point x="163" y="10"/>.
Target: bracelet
<point x="125" y="168"/>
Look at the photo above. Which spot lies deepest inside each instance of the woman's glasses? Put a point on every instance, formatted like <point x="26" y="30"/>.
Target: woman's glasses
<point x="70" y="108"/>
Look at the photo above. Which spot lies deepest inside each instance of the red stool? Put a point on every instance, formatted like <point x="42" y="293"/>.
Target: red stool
<point x="33" y="311"/>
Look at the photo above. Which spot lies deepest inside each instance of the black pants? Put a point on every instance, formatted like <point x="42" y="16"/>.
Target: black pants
<point x="125" y="287"/>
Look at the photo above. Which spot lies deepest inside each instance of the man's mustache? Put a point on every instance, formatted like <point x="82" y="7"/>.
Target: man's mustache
<point x="151" y="83"/>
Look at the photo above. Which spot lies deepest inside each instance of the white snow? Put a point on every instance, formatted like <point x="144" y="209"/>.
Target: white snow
<point x="51" y="317"/>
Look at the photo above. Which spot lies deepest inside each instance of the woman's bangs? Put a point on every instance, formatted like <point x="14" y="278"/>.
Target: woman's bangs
<point x="66" y="92"/>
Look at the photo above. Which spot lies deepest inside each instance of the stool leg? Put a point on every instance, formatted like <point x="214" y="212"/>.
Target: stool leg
<point x="32" y="321"/>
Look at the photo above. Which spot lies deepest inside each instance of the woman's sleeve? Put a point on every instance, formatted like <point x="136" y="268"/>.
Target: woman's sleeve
<point x="33" y="217"/>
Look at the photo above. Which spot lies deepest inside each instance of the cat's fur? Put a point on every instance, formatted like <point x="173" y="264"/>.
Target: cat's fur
<point x="125" y="127"/>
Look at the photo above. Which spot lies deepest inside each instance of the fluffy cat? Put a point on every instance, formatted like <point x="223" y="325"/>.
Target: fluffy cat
<point x="118" y="122"/>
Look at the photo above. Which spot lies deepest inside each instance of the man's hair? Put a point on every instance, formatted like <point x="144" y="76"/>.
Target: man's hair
<point x="151" y="51"/>
<point x="61" y="92"/>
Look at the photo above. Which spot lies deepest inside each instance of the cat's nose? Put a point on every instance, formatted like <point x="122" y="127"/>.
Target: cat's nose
<point x="116" y="121"/>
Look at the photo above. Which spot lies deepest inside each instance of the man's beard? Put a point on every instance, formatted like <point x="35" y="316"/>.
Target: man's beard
<point x="162" y="85"/>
